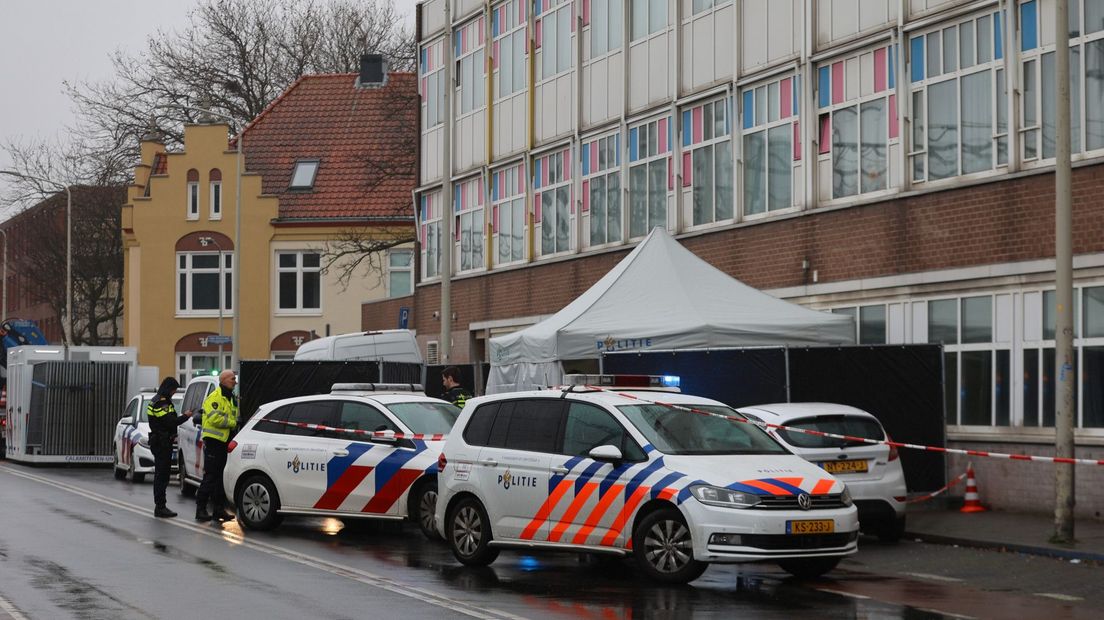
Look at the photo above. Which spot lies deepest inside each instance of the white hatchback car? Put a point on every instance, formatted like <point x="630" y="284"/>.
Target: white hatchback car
<point x="581" y="469"/>
<point x="278" y="466"/>
<point x="873" y="473"/>
<point x="133" y="458"/>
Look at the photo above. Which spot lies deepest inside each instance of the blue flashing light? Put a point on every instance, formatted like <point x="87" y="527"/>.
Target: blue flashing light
<point x="670" y="381"/>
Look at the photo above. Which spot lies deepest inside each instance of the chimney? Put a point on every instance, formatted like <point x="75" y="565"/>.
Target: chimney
<point x="373" y="71"/>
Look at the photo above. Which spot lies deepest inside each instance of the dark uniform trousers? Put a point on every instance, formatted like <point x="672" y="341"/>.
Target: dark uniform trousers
<point x="162" y="448"/>
<point x="214" y="461"/>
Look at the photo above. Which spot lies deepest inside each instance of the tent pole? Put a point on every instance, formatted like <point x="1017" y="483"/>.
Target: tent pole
<point x="786" y="356"/>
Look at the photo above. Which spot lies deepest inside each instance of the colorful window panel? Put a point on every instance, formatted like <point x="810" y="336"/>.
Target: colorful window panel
<point x="601" y="162"/>
<point x="508" y="220"/>
<point x="858" y="120"/>
<point x="554" y="206"/>
<point x="431" y="83"/>
<point x="772" y="144"/>
<point x="471" y="68"/>
<point x="554" y="24"/>
<point x="959" y="104"/>
<point x="651" y="175"/>
<point x="429" y="234"/>
<point x="509" y="31"/>
<point x="707" y="160"/>
<point x="469" y="228"/>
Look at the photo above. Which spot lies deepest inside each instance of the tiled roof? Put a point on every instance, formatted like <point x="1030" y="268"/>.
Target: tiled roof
<point x="365" y="138"/>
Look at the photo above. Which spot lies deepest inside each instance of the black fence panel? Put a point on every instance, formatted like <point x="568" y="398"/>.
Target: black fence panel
<point x="737" y="377"/>
<point x="264" y="381"/>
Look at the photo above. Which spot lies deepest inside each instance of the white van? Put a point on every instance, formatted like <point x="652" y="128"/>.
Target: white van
<point x="390" y="345"/>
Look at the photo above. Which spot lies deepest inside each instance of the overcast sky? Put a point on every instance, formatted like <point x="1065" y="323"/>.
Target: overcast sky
<point x="44" y="43"/>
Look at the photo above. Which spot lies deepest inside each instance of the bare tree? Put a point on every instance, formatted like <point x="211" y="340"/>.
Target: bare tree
<point x="233" y="57"/>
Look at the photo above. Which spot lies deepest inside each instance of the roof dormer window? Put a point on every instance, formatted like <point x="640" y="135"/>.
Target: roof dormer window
<point x="303" y="177"/>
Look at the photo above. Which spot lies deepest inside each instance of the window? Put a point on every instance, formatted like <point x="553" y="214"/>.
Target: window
<point x="299" y="281"/>
<point x="530" y="425"/>
<point x="553" y="202"/>
<point x="603" y="18"/>
<point x="648" y="17"/>
<point x="700" y="6"/>
<point x="216" y="195"/>
<point x="707" y="161"/>
<point x="432" y="83"/>
<point x="471" y="84"/>
<point x="674" y="432"/>
<point x="960" y="123"/>
<point x="198" y="277"/>
<point x="320" y="412"/>
<point x="303" y="175"/>
<point x="602" y="188"/>
<point x="586" y="427"/>
<point x="772" y="145"/>
<point x="977" y="370"/>
<point x="430" y="234"/>
<point x="650" y="175"/>
<point x="857" y="121"/>
<point x="510" y="34"/>
<point x="508" y="200"/>
<point x="193" y="194"/>
<point x="359" y="416"/>
<point x="554" y="27"/>
<point x="1038" y="106"/>
<point x="870" y="322"/>
<point x="428" y="418"/>
<point x="273" y="422"/>
<point x="478" y="431"/>
<point x="189" y="365"/>
<point x="468" y="206"/>
<point x="400" y="273"/>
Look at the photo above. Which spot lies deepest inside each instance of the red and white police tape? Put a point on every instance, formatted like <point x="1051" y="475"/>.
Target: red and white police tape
<point x="357" y="431"/>
<point x="895" y="444"/>
<point x="926" y="497"/>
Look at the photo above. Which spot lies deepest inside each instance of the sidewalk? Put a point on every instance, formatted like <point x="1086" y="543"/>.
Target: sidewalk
<point x="1011" y="531"/>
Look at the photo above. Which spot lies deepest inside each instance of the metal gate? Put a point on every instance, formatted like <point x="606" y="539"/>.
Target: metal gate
<point x="74" y="407"/>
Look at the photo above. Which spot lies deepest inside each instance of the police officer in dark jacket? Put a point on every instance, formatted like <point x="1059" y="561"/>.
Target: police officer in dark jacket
<point x="163" y="421"/>
<point x="454" y="392"/>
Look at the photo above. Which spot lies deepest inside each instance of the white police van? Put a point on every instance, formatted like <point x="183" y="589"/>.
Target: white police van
<point x="618" y="471"/>
<point x="133" y="458"/>
<point x="363" y="451"/>
<point x="189" y="436"/>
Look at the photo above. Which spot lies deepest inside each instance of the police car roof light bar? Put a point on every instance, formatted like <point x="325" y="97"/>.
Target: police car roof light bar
<point x="652" y="382"/>
<point x="377" y="387"/>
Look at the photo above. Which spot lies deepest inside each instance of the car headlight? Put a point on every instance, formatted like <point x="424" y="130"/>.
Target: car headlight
<point x="720" y="496"/>
<point x="845" y="497"/>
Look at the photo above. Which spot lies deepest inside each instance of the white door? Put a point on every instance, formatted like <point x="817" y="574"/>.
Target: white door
<point x="299" y="457"/>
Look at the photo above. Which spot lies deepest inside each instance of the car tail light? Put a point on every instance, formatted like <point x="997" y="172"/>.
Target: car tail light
<point x="230" y="446"/>
<point x="892" y="449"/>
<point x="441" y="462"/>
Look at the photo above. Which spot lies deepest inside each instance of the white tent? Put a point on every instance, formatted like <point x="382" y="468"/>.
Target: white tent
<point x="659" y="297"/>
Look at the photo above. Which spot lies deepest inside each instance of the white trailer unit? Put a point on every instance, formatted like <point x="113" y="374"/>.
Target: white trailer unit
<point x="63" y="402"/>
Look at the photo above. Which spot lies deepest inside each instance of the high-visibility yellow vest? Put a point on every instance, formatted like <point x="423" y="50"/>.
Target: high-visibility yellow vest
<point x="220" y="416"/>
<point x="157" y="412"/>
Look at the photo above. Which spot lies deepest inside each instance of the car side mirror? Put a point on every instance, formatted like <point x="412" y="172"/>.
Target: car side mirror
<point x="606" y="454"/>
<point x="127" y="421"/>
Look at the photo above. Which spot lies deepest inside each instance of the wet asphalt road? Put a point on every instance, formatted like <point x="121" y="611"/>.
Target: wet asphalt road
<point x="75" y="543"/>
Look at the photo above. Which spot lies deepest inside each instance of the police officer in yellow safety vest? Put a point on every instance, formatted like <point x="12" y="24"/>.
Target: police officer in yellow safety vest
<point x="220" y="418"/>
<point x="163" y="421"/>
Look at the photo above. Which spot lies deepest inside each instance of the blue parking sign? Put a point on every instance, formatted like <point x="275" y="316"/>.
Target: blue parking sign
<point x="404" y="317"/>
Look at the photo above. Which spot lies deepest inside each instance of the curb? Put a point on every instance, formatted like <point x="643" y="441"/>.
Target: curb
<point x="1061" y="554"/>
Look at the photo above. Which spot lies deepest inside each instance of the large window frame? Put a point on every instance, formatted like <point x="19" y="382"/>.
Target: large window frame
<point x="431" y="84"/>
<point x="306" y="270"/>
<point x="602" y="21"/>
<point x="509" y="216"/>
<point x="647" y="18"/>
<point x="967" y="54"/>
<point x="770" y="128"/>
<point x="650" y="176"/>
<point x="400" y="273"/>
<point x="188" y="277"/>
<point x="967" y="328"/>
<point x="216" y="200"/>
<point x="707" y="161"/>
<point x="470" y="227"/>
<point x="192" y="198"/>
<point x="429" y="233"/>
<point x="510" y="36"/>
<point x="471" y="67"/>
<point x="602" y="183"/>
<point x="554" y="201"/>
<point x="555" y="27"/>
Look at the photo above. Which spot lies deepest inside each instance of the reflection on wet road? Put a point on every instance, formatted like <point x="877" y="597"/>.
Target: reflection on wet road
<point x="75" y="543"/>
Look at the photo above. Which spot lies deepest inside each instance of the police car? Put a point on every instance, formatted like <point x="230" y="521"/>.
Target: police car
<point x="364" y="450"/>
<point x="189" y="453"/>
<point x="872" y="472"/>
<point x="133" y="458"/>
<point x="669" y="478"/>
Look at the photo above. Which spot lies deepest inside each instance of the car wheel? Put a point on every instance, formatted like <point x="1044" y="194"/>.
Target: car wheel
<point x="186" y="489"/>
<point x="120" y="473"/>
<point x="891" y="530"/>
<point x="257" y="503"/>
<point x="469" y="533"/>
<point x="422" y="508"/>
<point x="664" y="548"/>
<point x="808" y="568"/>
<point x="135" y="476"/>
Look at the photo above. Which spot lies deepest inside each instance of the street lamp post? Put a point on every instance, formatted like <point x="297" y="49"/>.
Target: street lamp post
<point x="68" y="248"/>
<point x="205" y="241"/>
<point x="4" y="303"/>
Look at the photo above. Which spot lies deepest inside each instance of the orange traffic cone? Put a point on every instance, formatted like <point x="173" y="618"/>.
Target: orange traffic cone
<point x="973" y="504"/>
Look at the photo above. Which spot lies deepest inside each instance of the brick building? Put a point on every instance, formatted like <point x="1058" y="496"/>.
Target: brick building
<point x="892" y="161"/>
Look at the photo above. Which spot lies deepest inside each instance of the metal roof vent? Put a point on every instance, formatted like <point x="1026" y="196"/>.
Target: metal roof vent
<point x="373" y="71"/>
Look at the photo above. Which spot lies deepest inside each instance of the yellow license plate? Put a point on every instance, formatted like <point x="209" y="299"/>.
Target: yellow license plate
<point x="816" y="526"/>
<point x="845" y="467"/>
